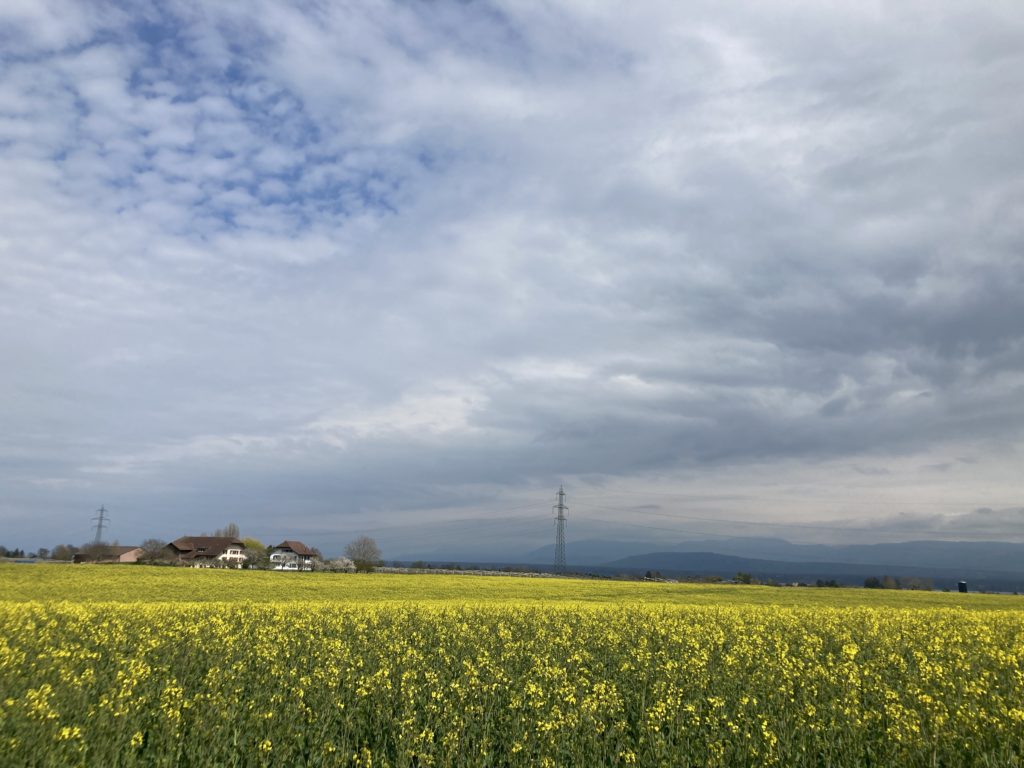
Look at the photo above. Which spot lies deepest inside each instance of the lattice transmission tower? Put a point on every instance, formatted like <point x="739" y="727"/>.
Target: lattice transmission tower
<point x="101" y="520"/>
<point x="560" y="509"/>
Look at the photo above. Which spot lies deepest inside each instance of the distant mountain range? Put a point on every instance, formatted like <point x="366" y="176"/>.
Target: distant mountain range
<point x="984" y="564"/>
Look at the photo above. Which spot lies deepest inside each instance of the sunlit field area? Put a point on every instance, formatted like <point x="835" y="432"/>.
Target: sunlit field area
<point x="129" y="665"/>
<point x="130" y="584"/>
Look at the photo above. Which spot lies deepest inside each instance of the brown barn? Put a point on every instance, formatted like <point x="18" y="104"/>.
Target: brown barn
<point x="209" y="551"/>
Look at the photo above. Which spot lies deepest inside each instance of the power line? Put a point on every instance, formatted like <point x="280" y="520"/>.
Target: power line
<point x="470" y="524"/>
<point x="733" y="521"/>
<point x="716" y="519"/>
<point x="491" y="528"/>
<point x="448" y="521"/>
<point x="684" y="531"/>
<point x="839" y="529"/>
<point x="926" y="502"/>
<point x="664" y="528"/>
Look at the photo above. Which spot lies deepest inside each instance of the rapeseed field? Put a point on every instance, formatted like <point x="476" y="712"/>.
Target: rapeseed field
<point x="123" y="666"/>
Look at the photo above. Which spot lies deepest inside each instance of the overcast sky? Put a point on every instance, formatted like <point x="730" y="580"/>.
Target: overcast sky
<point x="331" y="268"/>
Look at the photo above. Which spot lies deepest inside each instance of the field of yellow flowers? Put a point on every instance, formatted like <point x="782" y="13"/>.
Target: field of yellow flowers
<point x="120" y="666"/>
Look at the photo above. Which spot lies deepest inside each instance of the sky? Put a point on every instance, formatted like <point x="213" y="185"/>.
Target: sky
<point x="326" y="269"/>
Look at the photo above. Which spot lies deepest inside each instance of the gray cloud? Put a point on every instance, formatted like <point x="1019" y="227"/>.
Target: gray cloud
<point x="326" y="267"/>
<point x="981" y="523"/>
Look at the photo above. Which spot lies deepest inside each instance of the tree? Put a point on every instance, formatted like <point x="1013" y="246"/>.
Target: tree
<point x="64" y="551"/>
<point x="338" y="564"/>
<point x="317" y="561"/>
<point x="231" y="529"/>
<point x="155" y="551"/>
<point x="744" y="578"/>
<point x="43" y="553"/>
<point x="257" y="554"/>
<point x="97" y="551"/>
<point x="364" y="553"/>
<point x="916" y="583"/>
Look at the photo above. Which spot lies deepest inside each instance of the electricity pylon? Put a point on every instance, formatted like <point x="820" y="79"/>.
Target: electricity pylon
<point x="560" y="509"/>
<point x="100" y="520"/>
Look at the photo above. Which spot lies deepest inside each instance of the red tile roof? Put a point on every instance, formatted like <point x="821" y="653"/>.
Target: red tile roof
<point x="187" y="547"/>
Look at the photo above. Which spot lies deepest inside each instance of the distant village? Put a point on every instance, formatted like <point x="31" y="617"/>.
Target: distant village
<point x="225" y="548"/>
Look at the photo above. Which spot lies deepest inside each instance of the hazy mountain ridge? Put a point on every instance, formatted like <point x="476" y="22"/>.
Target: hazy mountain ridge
<point x="672" y="564"/>
<point x="963" y="556"/>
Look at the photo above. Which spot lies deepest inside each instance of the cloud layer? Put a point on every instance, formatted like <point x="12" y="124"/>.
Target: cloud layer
<point x="324" y="267"/>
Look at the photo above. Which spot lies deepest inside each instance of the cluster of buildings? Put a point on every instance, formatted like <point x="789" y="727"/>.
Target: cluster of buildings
<point x="229" y="551"/>
<point x="216" y="552"/>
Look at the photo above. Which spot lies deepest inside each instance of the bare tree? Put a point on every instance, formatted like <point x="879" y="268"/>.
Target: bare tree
<point x="64" y="551"/>
<point x="97" y="551"/>
<point x="364" y="553"/>
<point x="155" y="551"/>
<point x="231" y="529"/>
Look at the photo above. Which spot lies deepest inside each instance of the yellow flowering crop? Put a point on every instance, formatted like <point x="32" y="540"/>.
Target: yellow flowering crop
<point x="334" y="682"/>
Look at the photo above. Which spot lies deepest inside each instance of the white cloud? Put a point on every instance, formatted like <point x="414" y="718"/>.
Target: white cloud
<point x="448" y="408"/>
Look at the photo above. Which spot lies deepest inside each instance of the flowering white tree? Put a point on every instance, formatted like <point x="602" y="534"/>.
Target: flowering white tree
<point x="337" y="564"/>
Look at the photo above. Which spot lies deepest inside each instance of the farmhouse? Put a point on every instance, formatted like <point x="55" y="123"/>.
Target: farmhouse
<point x="110" y="553"/>
<point x="209" y="551"/>
<point x="292" y="556"/>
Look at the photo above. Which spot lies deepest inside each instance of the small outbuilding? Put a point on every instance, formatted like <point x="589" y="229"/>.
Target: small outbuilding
<point x="110" y="553"/>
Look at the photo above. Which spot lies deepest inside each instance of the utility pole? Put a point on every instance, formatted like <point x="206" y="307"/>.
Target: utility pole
<point x="100" y="520"/>
<point x="560" y="509"/>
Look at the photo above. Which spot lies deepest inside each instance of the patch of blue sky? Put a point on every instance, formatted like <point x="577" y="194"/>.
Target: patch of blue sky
<point x="165" y="55"/>
<point x="377" y="192"/>
<point x="483" y="29"/>
<point x="285" y="141"/>
<point x="373" y="192"/>
<point x="275" y="113"/>
<point x="269" y="149"/>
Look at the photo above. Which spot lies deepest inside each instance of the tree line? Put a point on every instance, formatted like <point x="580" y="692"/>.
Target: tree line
<point x="899" y="582"/>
